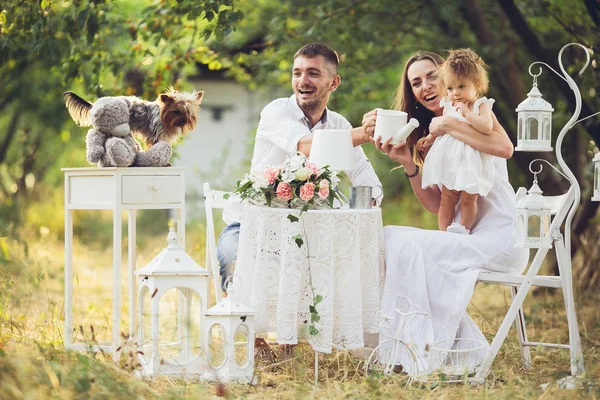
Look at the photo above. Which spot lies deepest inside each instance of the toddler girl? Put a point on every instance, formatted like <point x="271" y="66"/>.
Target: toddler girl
<point x="462" y="172"/>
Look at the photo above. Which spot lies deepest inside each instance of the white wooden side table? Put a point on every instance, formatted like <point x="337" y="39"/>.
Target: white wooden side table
<point x="117" y="189"/>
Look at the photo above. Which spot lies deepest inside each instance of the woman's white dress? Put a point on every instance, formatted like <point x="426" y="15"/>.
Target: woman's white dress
<point x="457" y="165"/>
<point x="435" y="272"/>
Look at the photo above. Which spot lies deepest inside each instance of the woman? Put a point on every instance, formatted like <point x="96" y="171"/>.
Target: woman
<point x="431" y="275"/>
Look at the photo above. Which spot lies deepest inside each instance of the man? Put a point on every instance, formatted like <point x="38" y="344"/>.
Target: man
<point x="286" y="126"/>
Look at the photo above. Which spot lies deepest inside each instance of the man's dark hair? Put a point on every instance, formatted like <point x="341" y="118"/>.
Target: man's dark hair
<point x="317" y="49"/>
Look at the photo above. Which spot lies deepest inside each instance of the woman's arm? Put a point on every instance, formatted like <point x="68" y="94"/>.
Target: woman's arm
<point x="430" y="197"/>
<point x="497" y="143"/>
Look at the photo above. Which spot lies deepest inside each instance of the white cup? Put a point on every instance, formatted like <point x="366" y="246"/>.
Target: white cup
<point x="393" y="124"/>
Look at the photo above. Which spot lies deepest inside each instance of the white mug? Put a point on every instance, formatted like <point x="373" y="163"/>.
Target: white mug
<point x="393" y="124"/>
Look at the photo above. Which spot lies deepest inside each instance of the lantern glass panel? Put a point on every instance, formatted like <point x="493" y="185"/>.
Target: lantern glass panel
<point x="179" y="323"/>
<point x="546" y="129"/>
<point x="533" y="227"/>
<point x="597" y="176"/>
<point x="146" y="320"/>
<point x="520" y="130"/>
<point x="545" y="225"/>
<point x="241" y="347"/>
<point x="532" y="128"/>
<point x="217" y="350"/>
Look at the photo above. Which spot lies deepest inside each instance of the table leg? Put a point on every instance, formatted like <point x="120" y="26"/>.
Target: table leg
<point x="181" y="233"/>
<point x="131" y="251"/>
<point x="116" y="323"/>
<point x="68" y="277"/>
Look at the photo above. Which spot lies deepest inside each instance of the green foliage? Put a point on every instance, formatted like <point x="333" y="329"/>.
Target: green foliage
<point x="96" y="48"/>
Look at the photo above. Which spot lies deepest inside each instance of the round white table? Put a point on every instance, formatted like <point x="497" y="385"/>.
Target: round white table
<point x="342" y="253"/>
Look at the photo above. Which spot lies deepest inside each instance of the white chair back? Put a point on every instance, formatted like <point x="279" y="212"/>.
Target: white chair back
<point x="213" y="199"/>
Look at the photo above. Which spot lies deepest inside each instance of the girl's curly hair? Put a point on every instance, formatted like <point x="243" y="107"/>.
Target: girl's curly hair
<point x="465" y="64"/>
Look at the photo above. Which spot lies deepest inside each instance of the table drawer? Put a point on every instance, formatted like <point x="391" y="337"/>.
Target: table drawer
<point x="141" y="189"/>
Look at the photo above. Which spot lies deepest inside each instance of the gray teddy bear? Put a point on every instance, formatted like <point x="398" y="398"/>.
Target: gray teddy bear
<point x="110" y="142"/>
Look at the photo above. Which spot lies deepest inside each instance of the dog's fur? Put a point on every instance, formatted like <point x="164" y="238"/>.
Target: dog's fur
<point x="170" y="115"/>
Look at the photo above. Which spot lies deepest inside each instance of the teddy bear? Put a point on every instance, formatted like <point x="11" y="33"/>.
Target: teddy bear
<point x="110" y="142"/>
<point x="116" y="119"/>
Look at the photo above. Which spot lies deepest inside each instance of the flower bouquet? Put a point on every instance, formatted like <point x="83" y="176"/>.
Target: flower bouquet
<point x="297" y="183"/>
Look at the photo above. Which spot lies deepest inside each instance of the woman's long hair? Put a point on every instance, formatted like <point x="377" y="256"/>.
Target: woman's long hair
<point x="405" y="101"/>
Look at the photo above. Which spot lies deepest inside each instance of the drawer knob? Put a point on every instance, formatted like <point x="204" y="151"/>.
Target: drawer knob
<point x="154" y="188"/>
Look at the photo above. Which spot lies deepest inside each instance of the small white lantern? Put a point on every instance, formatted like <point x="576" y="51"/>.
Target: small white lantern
<point x="175" y="290"/>
<point x="596" y="161"/>
<point x="533" y="221"/>
<point x="534" y="128"/>
<point x="230" y="340"/>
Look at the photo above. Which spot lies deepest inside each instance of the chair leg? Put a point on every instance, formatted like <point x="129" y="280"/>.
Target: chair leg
<point x="510" y="316"/>
<point x="522" y="332"/>
<point x="564" y="267"/>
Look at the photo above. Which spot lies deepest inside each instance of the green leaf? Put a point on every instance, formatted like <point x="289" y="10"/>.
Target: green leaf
<point x="292" y="218"/>
<point x="313" y="310"/>
<point x="318" y="299"/>
<point x="315" y="317"/>
<point x="298" y="240"/>
<point x="226" y="196"/>
<point x="312" y="330"/>
<point x="305" y="207"/>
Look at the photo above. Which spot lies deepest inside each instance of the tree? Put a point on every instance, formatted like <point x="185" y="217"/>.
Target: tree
<point x="96" y="47"/>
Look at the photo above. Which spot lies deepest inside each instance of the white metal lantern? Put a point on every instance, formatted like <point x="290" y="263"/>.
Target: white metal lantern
<point x="534" y="126"/>
<point x="229" y="340"/>
<point x="173" y="293"/>
<point x="533" y="221"/>
<point x="596" y="161"/>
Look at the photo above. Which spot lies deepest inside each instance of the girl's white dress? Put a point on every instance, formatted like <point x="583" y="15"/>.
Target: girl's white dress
<point x="434" y="273"/>
<point x="457" y="165"/>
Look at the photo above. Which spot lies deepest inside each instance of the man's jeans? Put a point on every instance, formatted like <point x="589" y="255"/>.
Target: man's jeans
<point x="227" y="248"/>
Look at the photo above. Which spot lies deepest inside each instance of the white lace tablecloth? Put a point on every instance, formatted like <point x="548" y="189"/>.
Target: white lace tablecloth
<point x="342" y="252"/>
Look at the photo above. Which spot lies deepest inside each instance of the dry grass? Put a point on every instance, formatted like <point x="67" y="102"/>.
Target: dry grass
<point x="33" y="364"/>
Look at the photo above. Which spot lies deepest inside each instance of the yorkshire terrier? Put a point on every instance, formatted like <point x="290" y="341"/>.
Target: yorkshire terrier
<point x="171" y="114"/>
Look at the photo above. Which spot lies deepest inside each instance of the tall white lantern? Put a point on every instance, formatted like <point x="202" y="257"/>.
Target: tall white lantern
<point x="596" y="161"/>
<point x="230" y="340"/>
<point x="533" y="221"/>
<point x="534" y="126"/>
<point x="173" y="293"/>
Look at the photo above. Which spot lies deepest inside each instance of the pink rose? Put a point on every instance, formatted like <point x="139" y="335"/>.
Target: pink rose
<point x="324" y="189"/>
<point x="284" y="191"/>
<point x="271" y="175"/>
<point x="307" y="191"/>
<point x="313" y="167"/>
<point x="324" y="192"/>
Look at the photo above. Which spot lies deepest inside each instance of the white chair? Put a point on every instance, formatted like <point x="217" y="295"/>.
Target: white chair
<point x="520" y="286"/>
<point x="213" y="199"/>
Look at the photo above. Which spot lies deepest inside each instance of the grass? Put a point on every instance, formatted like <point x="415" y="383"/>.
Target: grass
<point x="34" y="364"/>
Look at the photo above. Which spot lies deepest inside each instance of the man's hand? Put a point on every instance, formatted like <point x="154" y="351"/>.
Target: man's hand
<point x="368" y="122"/>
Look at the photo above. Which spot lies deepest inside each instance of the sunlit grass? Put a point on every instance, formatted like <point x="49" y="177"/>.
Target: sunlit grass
<point x="34" y="365"/>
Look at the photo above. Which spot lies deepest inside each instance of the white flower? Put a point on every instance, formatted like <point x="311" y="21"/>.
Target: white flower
<point x="288" y="176"/>
<point x="334" y="180"/>
<point x="296" y="162"/>
<point x="303" y="173"/>
<point x="259" y="181"/>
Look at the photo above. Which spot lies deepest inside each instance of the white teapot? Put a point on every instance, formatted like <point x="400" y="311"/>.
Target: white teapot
<point x="393" y="124"/>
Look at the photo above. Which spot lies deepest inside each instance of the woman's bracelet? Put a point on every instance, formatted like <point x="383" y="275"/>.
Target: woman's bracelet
<point x="413" y="174"/>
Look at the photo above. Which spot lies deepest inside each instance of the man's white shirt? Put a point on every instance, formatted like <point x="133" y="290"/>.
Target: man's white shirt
<point x="282" y="125"/>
